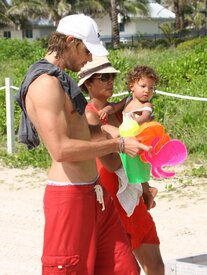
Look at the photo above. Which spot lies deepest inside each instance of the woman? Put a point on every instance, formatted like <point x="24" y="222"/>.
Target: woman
<point x="97" y="79"/>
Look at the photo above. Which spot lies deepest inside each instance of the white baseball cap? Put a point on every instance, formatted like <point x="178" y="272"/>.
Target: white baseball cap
<point x="85" y="28"/>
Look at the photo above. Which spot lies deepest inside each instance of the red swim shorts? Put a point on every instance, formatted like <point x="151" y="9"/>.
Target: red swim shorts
<point x="80" y="238"/>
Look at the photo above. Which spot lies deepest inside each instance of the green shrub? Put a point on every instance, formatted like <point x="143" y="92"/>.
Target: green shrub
<point x="22" y="158"/>
<point x="197" y="43"/>
<point x="182" y="70"/>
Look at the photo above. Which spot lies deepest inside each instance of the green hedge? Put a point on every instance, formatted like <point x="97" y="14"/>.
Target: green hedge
<point x="182" y="70"/>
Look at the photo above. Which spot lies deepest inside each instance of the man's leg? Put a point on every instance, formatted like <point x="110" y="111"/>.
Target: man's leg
<point x="70" y="230"/>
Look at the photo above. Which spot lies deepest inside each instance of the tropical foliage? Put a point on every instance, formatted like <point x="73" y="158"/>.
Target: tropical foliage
<point x="182" y="70"/>
<point x="189" y="13"/>
<point x="21" y="12"/>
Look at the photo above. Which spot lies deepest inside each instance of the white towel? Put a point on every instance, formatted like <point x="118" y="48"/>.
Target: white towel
<point x="128" y="194"/>
<point x="99" y="195"/>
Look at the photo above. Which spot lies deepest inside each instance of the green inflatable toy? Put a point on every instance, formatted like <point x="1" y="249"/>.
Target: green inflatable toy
<point x="136" y="170"/>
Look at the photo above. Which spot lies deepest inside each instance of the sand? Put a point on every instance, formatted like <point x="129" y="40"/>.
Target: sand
<point x="180" y="216"/>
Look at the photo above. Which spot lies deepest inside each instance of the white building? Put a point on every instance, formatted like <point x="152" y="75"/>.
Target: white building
<point x="138" y="25"/>
<point x="37" y="29"/>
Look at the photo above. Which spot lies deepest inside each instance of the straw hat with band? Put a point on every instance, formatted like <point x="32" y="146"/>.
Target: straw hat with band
<point x="99" y="65"/>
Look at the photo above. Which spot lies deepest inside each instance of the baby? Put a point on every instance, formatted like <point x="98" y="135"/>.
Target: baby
<point x="141" y="83"/>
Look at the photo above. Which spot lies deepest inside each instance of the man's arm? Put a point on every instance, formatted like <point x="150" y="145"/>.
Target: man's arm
<point x="45" y="103"/>
<point x="111" y="161"/>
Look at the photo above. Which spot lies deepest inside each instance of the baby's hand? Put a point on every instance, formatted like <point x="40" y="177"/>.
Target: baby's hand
<point x="102" y="114"/>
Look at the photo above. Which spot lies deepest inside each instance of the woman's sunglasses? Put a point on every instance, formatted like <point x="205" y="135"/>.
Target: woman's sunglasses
<point x="105" y="77"/>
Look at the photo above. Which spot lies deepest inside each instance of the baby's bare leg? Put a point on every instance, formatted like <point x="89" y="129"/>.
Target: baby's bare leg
<point x="149" y="193"/>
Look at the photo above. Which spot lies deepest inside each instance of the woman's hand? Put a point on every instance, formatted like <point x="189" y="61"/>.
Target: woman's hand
<point x="110" y="131"/>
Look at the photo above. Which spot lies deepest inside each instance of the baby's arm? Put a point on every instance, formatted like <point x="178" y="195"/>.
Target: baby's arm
<point x="112" y="108"/>
<point x="146" y="115"/>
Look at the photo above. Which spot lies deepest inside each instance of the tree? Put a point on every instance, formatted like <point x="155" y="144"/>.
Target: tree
<point x="38" y="9"/>
<point x="113" y="8"/>
<point x="177" y="14"/>
<point x="124" y="8"/>
<point x="5" y="20"/>
<point x="22" y="10"/>
<point x="115" y="25"/>
<point x="188" y="12"/>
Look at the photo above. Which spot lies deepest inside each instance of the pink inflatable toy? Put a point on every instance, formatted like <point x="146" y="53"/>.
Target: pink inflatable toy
<point x="171" y="153"/>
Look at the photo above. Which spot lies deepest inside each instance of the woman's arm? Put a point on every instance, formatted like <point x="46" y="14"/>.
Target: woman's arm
<point x="112" y="108"/>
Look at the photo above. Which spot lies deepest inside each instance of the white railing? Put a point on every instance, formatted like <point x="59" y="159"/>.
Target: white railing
<point x="9" y="93"/>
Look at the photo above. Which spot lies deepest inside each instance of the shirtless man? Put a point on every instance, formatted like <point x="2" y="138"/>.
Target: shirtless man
<point x="83" y="234"/>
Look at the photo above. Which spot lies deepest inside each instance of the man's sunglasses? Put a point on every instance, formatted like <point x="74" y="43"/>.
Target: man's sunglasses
<point x="105" y="77"/>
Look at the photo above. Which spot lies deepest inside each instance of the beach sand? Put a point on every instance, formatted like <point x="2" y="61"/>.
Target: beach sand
<point x="180" y="217"/>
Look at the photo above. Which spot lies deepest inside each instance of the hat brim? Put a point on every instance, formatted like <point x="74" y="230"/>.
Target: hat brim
<point x="96" y="48"/>
<point x="107" y="70"/>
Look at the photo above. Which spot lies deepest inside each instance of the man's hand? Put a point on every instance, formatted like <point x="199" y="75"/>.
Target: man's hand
<point x="132" y="147"/>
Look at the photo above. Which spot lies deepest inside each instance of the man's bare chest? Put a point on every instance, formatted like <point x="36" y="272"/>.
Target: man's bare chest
<point x="77" y="124"/>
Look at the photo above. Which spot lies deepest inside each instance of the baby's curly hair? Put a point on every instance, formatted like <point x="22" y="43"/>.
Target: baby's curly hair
<point x="139" y="72"/>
